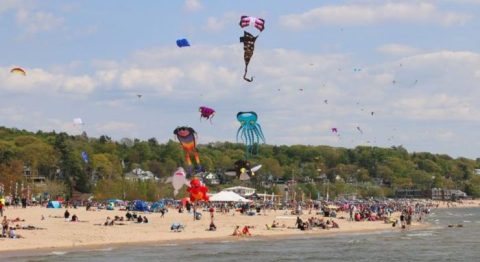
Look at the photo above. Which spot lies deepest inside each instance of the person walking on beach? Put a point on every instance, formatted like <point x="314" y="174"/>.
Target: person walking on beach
<point x="1" y="208"/>
<point x="4" y="226"/>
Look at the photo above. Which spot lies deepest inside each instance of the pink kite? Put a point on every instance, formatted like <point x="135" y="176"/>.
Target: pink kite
<point x="206" y="112"/>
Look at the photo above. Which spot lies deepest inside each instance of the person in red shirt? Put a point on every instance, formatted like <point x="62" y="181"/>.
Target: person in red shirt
<point x="246" y="231"/>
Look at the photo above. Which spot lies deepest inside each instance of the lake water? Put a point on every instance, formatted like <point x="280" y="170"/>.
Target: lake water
<point x="437" y="243"/>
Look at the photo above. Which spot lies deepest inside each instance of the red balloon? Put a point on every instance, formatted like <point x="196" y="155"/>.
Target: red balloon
<point x="197" y="191"/>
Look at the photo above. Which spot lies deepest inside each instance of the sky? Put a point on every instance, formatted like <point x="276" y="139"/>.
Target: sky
<point x="317" y="65"/>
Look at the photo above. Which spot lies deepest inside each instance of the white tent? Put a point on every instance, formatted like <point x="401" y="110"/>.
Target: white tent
<point x="228" y="196"/>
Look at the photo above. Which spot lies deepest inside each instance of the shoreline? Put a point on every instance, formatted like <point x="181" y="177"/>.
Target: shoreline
<point x="61" y="236"/>
<point x="317" y="233"/>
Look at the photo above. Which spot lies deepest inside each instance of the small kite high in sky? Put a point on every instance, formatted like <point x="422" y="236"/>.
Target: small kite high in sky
<point x="359" y="130"/>
<point x="78" y="121"/>
<point x="334" y="130"/>
<point x="183" y="42"/>
<point x="18" y="71"/>
<point x="248" y="39"/>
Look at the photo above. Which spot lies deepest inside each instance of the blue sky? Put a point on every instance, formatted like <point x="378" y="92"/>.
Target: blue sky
<point x="419" y="67"/>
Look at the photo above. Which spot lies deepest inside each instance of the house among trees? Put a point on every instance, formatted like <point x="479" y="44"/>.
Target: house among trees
<point x="447" y="194"/>
<point x="138" y="174"/>
<point x="211" y="178"/>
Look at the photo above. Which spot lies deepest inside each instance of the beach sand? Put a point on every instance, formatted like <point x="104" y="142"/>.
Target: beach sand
<point x="59" y="234"/>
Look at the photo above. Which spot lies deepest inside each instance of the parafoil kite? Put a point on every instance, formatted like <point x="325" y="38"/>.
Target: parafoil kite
<point x="183" y="42"/>
<point x="186" y="137"/>
<point x="206" y="112"/>
<point x="248" y="39"/>
<point x="78" y="121"/>
<point x="197" y="191"/>
<point x="334" y="130"/>
<point x="18" y="71"/>
<point x="179" y="179"/>
<point x="250" y="131"/>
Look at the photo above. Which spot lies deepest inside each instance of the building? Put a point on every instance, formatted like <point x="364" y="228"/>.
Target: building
<point x="211" y="178"/>
<point x="138" y="174"/>
<point x="447" y="194"/>
<point x="241" y="190"/>
<point x="410" y="193"/>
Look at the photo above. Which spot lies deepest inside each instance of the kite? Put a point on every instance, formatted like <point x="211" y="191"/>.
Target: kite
<point x="243" y="170"/>
<point x="372" y="113"/>
<point x="18" y="71"/>
<point x="334" y="130"/>
<point x="78" y="121"/>
<point x="197" y="191"/>
<point x="357" y="69"/>
<point x="250" y="131"/>
<point x="186" y="137"/>
<point x="325" y="101"/>
<point x="179" y="179"/>
<point x="206" y="112"/>
<point x="359" y="130"/>
<point x="85" y="157"/>
<point x="248" y="39"/>
<point x="139" y="96"/>
<point x="183" y="42"/>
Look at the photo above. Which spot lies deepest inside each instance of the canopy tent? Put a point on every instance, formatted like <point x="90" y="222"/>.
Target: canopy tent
<point x="140" y="205"/>
<point x="54" y="204"/>
<point x="228" y="196"/>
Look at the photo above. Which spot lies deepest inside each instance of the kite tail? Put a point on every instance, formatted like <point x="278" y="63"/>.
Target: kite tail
<point x="197" y="158"/>
<point x="175" y="192"/>
<point x="187" y="158"/>
<point x="245" y="75"/>
<point x="238" y="132"/>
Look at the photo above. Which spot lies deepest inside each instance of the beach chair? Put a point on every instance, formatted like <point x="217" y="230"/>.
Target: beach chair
<point x="177" y="227"/>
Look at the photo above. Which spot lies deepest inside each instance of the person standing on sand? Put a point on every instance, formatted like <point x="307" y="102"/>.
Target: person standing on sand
<point x="4" y="226"/>
<point x="1" y="208"/>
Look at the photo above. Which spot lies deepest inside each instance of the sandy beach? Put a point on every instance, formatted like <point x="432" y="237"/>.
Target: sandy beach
<point x="56" y="233"/>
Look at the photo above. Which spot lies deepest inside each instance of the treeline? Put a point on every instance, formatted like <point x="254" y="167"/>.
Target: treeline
<point x="367" y="171"/>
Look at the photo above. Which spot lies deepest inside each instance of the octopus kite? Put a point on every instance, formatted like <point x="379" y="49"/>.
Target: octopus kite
<point x="248" y="39"/>
<point x="250" y="131"/>
<point x="206" y="112"/>
<point x="186" y="137"/>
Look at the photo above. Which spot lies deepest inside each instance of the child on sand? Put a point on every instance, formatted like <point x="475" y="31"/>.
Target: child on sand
<point x="246" y="231"/>
<point x="236" y="231"/>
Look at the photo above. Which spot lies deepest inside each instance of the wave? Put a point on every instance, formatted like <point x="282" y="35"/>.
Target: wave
<point x="59" y="253"/>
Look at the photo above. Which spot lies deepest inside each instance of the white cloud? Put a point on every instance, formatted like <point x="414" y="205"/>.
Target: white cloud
<point x="160" y="79"/>
<point x="6" y="5"/>
<point x="215" y="24"/>
<point x="398" y="50"/>
<point x="34" y="22"/>
<point x="39" y="80"/>
<point x="111" y="126"/>
<point x="357" y="15"/>
<point x="193" y="5"/>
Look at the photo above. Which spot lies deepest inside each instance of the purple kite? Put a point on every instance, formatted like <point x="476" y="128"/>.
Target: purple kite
<point x="334" y="130"/>
<point x="206" y="112"/>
